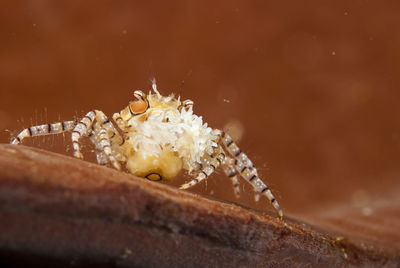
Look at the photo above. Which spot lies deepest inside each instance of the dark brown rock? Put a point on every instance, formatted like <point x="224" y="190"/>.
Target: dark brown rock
<point x="58" y="210"/>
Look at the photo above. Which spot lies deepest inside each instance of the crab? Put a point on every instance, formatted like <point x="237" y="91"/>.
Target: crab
<point x="155" y="137"/>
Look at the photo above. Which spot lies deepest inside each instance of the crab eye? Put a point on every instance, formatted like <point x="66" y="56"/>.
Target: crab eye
<point x="138" y="107"/>
<point x="186" y="104"/>
<point x="154" y="176"/>
<point x="141" y="105"/>
<point x="139" y="95"/>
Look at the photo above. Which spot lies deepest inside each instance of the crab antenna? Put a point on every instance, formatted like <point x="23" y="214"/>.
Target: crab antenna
<point x="154" y="86"/>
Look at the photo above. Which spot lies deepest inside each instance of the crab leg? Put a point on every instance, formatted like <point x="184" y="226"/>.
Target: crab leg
<point x="246" y="169"/>
<point x="45" y="129"/>
<point x="86" y="123"/>
<point x="230" y="171"/>
<point x="205" y="171"/>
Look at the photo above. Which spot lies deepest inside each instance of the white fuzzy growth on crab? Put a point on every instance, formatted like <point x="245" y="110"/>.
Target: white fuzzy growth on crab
<point x="181" y="132"/>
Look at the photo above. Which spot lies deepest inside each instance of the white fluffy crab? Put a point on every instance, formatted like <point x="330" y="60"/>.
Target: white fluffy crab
<point x="155" y="137"/>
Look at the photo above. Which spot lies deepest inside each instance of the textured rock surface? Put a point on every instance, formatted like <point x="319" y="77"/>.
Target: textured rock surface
<point x="58" y="210"/>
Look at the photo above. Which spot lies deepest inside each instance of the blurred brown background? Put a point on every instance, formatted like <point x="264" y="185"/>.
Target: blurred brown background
<point x="314" y="84"/>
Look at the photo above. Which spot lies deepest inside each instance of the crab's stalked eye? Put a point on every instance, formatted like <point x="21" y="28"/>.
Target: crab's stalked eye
<point x="139" y="95"/>
<point x="141" y="105"/>
<point x="154" y="176"/>
<point x="186" y="104"/>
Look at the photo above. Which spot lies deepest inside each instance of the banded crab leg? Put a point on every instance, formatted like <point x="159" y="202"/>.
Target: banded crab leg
<point x="84" y="127"/>
<point x="45" y="129"/>
<point x="230" y="171"/>
<point x="246" y="169"/>
<point x="120" y="122"/>
<point x="100" y="156"/>
<point x="206" y="171"/>
<point x="109" y="132"/>
<point x="101" y="138"/>
<point x="105" y="146"/>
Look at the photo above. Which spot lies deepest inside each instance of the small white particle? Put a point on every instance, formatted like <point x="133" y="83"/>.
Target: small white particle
<point x="11" y="150"/>
<point x="227" y="101"/>
<point x="126" y="253"/>
<point x="366" y="211"/>
<point x="333" y="53"/>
